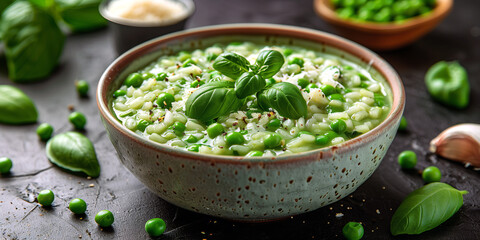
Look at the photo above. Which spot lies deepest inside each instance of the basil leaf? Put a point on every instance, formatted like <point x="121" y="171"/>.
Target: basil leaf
<point x="285" y="98"/>
<point x="212" y="100"/>
<point x="248" y="84"/>
<point x="231" y="65"/>
<point x="16" y="107"/>
<point x="269" y="63"/>
<point x="81" y="15"/>
<point x="426" y="208"/>
<point x="74" y="152"/>
<point x="44" y="4"/>
<point x="33" y="41"/>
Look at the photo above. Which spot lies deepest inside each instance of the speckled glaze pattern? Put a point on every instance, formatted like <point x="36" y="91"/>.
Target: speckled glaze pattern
<point x="253" y="189"/>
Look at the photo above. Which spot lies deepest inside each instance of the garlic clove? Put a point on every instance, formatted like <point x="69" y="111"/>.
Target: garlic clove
<point x="459" y="143"/>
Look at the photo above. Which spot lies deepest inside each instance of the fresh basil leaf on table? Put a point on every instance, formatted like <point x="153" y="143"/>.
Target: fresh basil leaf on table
<point x="74" y="152"/>
<point x="285" y="98"/>
<point x="212" y="100"/>
<point x="231" y="65"/>
<point x="248" y="84"/>
<point x="426" y="208"/>
<point x="33" y="41"/>
<point x="81" y="15"/>
<point x="16" y="107"/>
<point x="269" y="62"/>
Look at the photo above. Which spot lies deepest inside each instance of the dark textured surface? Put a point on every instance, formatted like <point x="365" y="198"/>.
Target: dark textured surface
<point x="87" y="55"/>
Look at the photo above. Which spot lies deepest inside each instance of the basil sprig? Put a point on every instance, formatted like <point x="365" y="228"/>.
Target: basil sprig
<point x="426" y="208"/>
<point x="285" y="98"/>
<point x="216" y="99"/>
<point x="212" y="100"/>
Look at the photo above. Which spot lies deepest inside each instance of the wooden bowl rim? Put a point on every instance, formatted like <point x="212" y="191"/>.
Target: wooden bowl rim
<point x="325" y="10"/>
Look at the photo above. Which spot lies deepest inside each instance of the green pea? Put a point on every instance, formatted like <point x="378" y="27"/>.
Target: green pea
<point x="403" y="124"/>
<point x="184" y="55"/>
<point x="155" y="227"/>
<point x="328" y="90"/>
<point x="336" y="96"/>
<point x="347" y="12"/>
<point x="310" y="86"/>
<point x="142" y="124"/>
<point x="211" y="57"/>
<point x="119" y="93"/>
<point x="364" y="85"/>
<point x="338" y="126"/>
<point x="334" y="109"/>
<point x="82" y="87"/>
<point x="384" y="15"/>
<point x="431" y="174"/>
<point x="274" y="124"/>
<point x="254" y="154"/>
<point x="322" y="140"/>
<point x="330" y="135"/>
<point x="5" y="165"/>
<point x="296" y="60"/>
<point x="165" y="100"/>
<point x="353" y="231"/>
<point x="148" y="75"/>
<point x="191" y="139"/>
<point x="45" y="197"/>
<point x="196" y="83"/>
<point x="193" y="148"/>
<point x="379" y="99"/>
<point x="287" y="52"/>
<point x="188" y="63"/>
<point x="271" y="81"/>
<point x="244" y="132"/>
<point x="272" y="140"/>
<point x="407" y="159"/>
<point x="161" y="76"/>
<point x="179" y="128"/>
<point x="302" y="82"/>
<point x="134" y="79"/>
<point x="78" y="120"/>
<point x="215" y="129"/>
<point x="104" y="218"/>
<point x="365" y="14"/>
<point x="44" y="131"/>
<point x="234" y="138"/>
<point x="77" y="206"/>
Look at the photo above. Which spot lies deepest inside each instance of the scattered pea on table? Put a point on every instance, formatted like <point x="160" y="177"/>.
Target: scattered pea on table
<point x="5" y="165"/>
<point x="45" y="197"/>
<point x="353" y="231"/>
<point x="104" y="218"/>
<point x="77" y="206"/>
<point x="78" y="120"/>
<point x="431" y="174"/>
<point x="44" y="131"/>
<point x="155" y="227"/>
<point x="82" y="88"/>
<point x="407" y="159"/>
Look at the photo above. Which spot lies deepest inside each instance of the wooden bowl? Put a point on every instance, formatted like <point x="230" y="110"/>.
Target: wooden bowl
<point x="383" y="36"/>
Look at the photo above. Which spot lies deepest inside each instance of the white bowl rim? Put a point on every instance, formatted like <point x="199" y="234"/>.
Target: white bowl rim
<point x="394" y="82"/>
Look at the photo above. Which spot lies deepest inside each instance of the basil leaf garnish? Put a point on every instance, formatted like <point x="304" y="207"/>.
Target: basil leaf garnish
<point x="212" y="100"/>
<point x="16" y="107"/>
<point x="426" y="208"/>
<point x="81" y="15"/>
<point x="231" y="65"/>
<point x="269" y="63"/>
<point x="33" y="41"/>
<point x="74" y="152"/>
<point x="285" y="98"/>
<point x="248" y="84"/>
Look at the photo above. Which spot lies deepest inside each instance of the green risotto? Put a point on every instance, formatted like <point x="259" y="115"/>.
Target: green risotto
<point x="248" y="99"/>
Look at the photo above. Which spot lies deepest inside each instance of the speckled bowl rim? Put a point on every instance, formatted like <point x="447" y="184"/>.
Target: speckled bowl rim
<point x="331" y="40"/>
<point x="325" y="11"/>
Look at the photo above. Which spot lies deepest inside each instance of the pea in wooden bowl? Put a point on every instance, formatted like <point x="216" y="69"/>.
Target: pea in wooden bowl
<point x="243" y="188"/>
<point x="384" y="36"/>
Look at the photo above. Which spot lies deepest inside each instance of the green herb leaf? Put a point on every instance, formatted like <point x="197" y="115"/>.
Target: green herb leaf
<point x="426" y="208"/>
<point x="269" y="63"/>
<point x="248" y="84"/>
<point x="16" y="107"/>
<point x="74" y="152"/>
<point x="231" y="65"/>
<point x="44" y="4"/>
<point x="33" y="42"/>
<point x="81" y="15"/>
<point x="285" y="98"/>
<point x="212" y="100"/>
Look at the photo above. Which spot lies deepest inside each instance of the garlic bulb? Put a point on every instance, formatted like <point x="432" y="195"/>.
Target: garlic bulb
<point x="460" y="143"/>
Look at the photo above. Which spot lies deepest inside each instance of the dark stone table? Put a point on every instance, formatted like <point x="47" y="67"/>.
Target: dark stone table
<point x="87" y="55"/>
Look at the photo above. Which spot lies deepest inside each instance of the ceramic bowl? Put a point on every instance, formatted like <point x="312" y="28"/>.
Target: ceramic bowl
<point x="250" y="189"/>
<point x="384" y="36"/>
<point x="127" y="33"/>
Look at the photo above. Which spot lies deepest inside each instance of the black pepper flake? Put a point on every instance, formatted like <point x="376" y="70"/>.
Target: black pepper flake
<point x="223" y="134"/>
